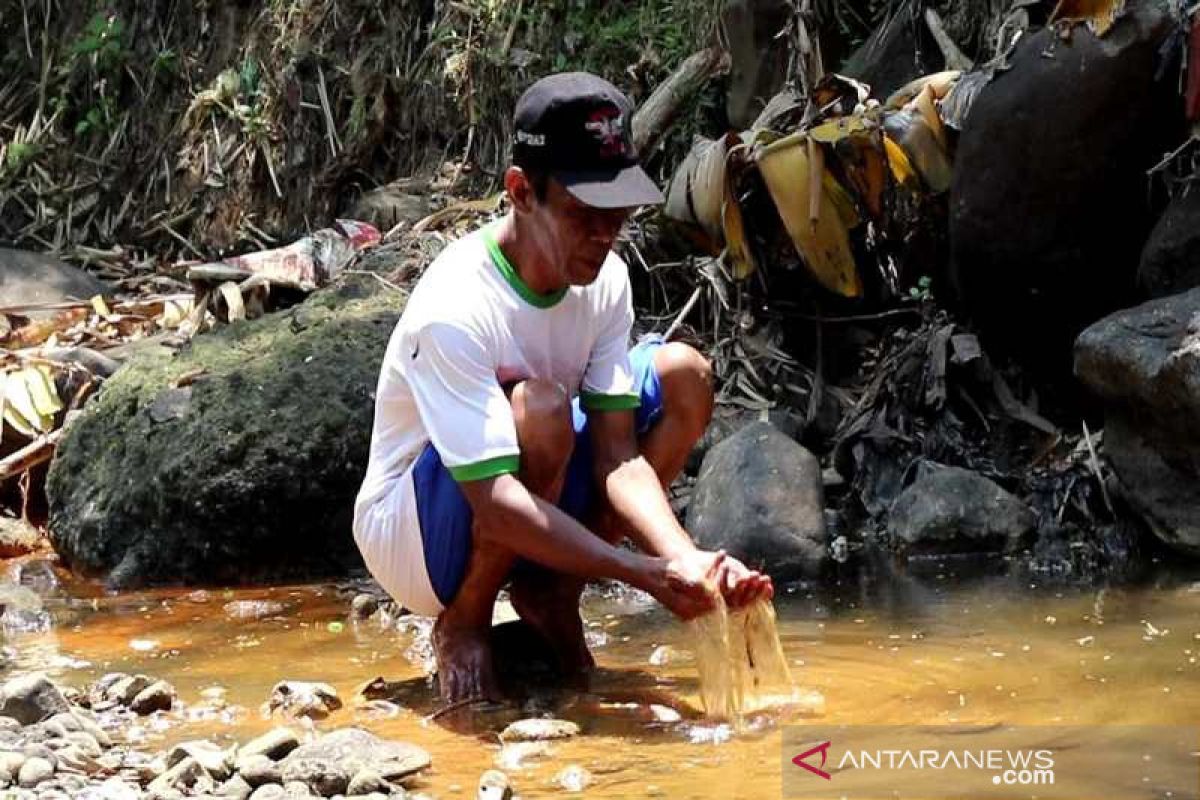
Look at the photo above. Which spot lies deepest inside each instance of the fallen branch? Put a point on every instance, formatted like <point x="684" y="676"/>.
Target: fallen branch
<point x="36" y="452"/>
<point x="955" y="58"/>
<point x="655" y="116"/>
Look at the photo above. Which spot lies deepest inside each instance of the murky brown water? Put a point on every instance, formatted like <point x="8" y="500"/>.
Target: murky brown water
<point x="903" y="652"/>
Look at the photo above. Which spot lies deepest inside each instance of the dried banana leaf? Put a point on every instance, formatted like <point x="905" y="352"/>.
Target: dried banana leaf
<point x="940" y="82"/>
<point x="820" y="235"/>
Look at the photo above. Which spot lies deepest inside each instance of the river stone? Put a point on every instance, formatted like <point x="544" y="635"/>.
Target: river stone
<point x="954" y="510"/>
<point x="271" y="791"/>
<point x="1171" y="258"/>
<point x="304" y="699"/>
<point x="215" y="761"/>
<point x="242" y="610"/>
<point x="1048" y="208"/>
<point x="759" y="496"/>
<point x="363" y="606"/>
<point x="158" y="696"/>
<point x="356" y="750"/>
<point x="367" y="781"/>
<point x="33" y="772"/>
<point x="539" y="730"/>
<point x="236" y="788"/>
<point x="11" y="762"/>
<point x="31" y="698"/>
<point x="274" y="744"/>
<point x="323" y="776"/>
<point x="1144" y="365"/>
<point x="392" y="204"/>
<point x="248" y="485"/>
<point x="258" y="769"/>
<point x="17" y="537"/>
<point x="33" y="278"/>
<point x="116" y="789"/>
<point x="494" y="785"/>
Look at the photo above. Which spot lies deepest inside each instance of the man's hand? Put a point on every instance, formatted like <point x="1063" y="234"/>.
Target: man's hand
<point x="687" y="584"/>
<point x="741" y="585"/>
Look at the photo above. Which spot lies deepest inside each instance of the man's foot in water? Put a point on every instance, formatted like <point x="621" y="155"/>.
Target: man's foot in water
<point x="464" y="662"/>
<point x="550" y="605"/>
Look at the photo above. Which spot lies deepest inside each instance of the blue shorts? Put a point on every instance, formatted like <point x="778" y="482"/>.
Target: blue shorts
<point x="445" y="516"/>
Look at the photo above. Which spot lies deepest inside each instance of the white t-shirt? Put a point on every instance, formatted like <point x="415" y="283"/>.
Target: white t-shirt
<point x="471" y="327"/>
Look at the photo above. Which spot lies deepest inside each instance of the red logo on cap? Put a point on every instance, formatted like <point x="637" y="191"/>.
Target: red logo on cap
<point x="608" y="126"/>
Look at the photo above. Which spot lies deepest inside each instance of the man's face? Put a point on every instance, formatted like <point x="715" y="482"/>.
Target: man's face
<point x="574" y="237"/>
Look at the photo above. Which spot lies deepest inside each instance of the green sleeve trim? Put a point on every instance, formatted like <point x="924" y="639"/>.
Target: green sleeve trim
<point x="514" y="280"/>
<point x="594" y="401"/>
<point x="501" y="465"/>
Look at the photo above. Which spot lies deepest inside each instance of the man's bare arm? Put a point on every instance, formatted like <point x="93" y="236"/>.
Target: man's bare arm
<point x="633" y="488"/>
<point x="508" y="514"/>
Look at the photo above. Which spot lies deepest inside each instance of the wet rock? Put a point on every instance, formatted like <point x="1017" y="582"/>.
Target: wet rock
<point x="954" y="510"/>
<point x="304" y="699"/>
<point x="274" y="744"/>
<point x="759" y="496"/>
<point x="117" y="688"/>
<point x="258" y="769"/>
<point x="271" y="492"/>
<point x="1144" y="364"/>
<point x="322" y="776"/>
<point x="297" y="789"/>
<point x="17" y="537"/>
<point x="158" y="696"/>
<point x="33" y="278"/>
<point x="1171" y="258"/>
<point x="539" y="730"/>
<point x="1057" y="237"/>
<point x="356" y="750"/>
<point x="241" y="610"/>
<point x="215" y="761"/>
<point x="185" y="774"/>
<point x="367" y="781"/>
<point x="494" y="785"/>
<point x="363" y="606"/>
<point x="33" y="772"/>
<point x="31" y="698"/>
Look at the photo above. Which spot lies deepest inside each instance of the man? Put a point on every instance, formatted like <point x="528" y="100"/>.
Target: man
<point x="484" y="468"/>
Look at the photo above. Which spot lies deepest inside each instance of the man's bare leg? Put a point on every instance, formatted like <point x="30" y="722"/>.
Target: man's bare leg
<point x="550" y="601"/>
<point x="545" y="435"/>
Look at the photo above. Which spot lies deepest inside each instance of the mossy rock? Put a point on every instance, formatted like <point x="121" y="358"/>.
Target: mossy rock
<point x="246" y="474"/>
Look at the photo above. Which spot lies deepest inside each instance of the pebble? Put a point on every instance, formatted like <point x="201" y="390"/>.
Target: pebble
<point x="494" y="785"/>
<point x="274" y="744"/>
<point x="573" y="778"/>
<point x="304" y="699"/>
<point x="34" y="771"/>
<point x="538" y="730"/>
<point x="363" y="606"/>
<point x="243" y="610"/>
<point x="158" y="696"/>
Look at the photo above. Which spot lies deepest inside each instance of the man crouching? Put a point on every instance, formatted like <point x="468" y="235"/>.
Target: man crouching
<point x="513" y="425"/>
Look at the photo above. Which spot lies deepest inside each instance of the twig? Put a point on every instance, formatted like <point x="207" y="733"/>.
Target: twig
<point x="323" y="94"/>
<point x="36" y="452"/>
<point x="687" y="309"/>
<point x="1094" y="465"/>
<point x="443" y="711"/>
<point x="181" y="240"/>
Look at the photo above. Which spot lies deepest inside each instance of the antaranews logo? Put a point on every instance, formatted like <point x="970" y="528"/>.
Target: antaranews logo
<point x="823" y="749"/>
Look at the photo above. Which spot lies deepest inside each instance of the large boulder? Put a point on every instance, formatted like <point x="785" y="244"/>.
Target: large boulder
<point x="1049" y="208"/>
<point x="234" y="459"/>
<point x="759" y="496"/>
<point x="33" y="278"/>
<point x="950" y="510"/>
<point x="354" y="750"/>
<point x="1171" y="258"/>
<point x="1144" y="363"/>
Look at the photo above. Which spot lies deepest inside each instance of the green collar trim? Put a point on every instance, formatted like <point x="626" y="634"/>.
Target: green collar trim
<point x="514" y="280"/>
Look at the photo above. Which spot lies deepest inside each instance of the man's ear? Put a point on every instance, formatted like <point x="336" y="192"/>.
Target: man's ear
<point x="519" y="189"/>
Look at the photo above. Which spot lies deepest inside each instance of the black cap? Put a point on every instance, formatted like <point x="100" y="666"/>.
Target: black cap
<point x="576" y="127"/>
